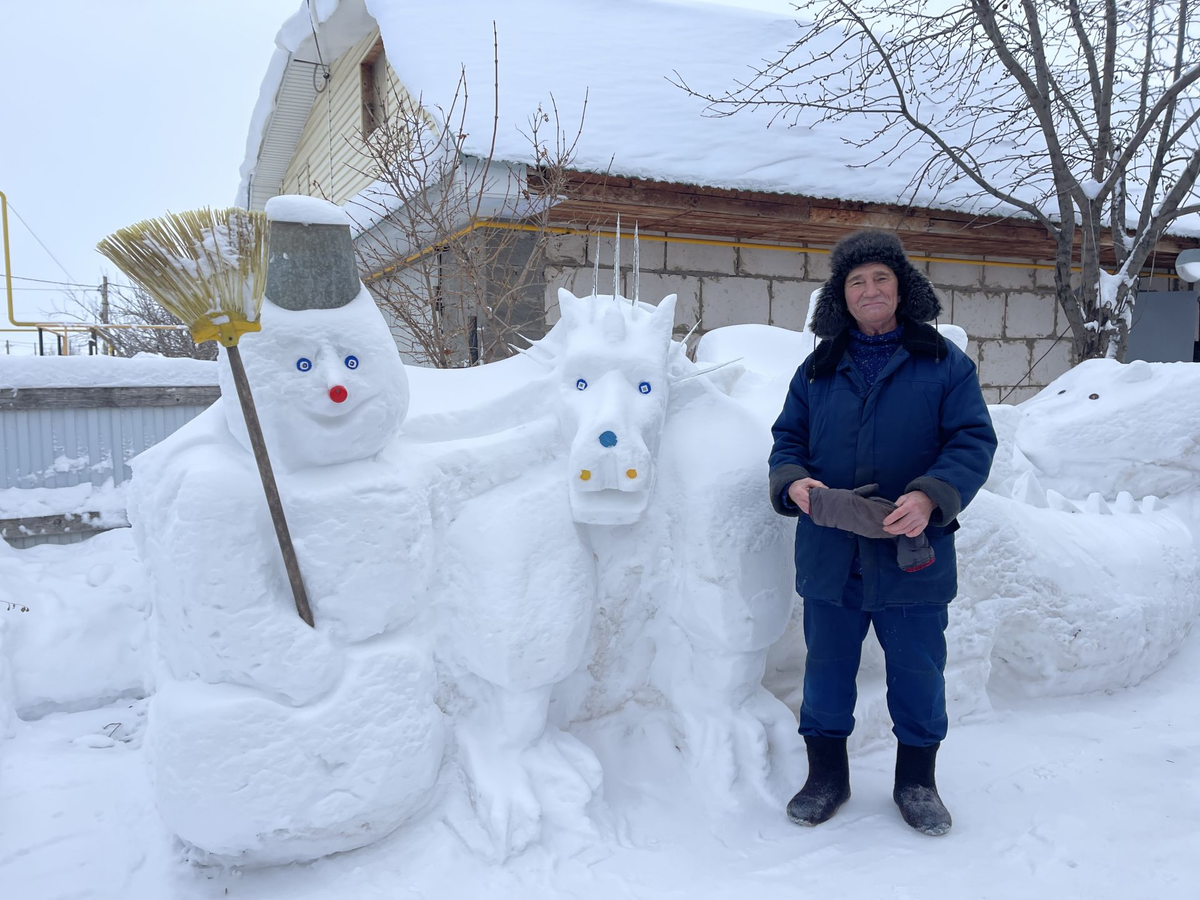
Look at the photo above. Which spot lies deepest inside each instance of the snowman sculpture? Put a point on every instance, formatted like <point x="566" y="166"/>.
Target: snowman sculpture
<point x="271" y="741"/>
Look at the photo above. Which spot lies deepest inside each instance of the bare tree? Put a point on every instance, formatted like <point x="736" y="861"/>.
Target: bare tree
<point x="1080" y="114"/>
<point x="131" y="306"/>
<point x="455" y="246"/>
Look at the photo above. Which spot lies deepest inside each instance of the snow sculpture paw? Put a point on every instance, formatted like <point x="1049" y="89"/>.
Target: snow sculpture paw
<point x="732" y="748"/>
<point x="502" y="793"/>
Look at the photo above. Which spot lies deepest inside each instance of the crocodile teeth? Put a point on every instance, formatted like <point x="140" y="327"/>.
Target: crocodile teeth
<point x="1028" y="490"/>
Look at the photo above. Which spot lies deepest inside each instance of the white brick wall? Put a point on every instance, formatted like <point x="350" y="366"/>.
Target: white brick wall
<point x="1057" y="360"/>
<point x="1020" y="394"/>
<point x="783" y="263"/>
<point x="952" y="275"/>
<point x="817" y="267"/>
<point x="651" y="252"/>
<point x="1010" y="314"/>
<point x="654" y="286"/>
<point x="1008" y="277"/>
<point x="734" y="301"/>
<point x="1029" y="315"/>
<point x="789" y="303"/>
<point x="1003" y="362"/>
<point x="567" y="248"/>
<point x="702" y="258"/>
<point x="980" y="315"/>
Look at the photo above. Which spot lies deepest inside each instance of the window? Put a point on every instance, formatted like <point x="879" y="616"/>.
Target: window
<point x="374" y="88"/>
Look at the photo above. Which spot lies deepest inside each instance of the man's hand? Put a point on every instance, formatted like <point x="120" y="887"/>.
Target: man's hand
<point x="798" y="492"/>
<point x="910" y="516"/>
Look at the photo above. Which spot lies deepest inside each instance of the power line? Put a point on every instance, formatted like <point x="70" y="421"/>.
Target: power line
<point x="70" y="284"/>
<point x="48" y="281"/>
<point x="55" y="290"/>
<point x="39" y="240"/>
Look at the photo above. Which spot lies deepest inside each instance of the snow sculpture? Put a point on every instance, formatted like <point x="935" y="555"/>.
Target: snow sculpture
<point x="628" y="574"/>
<point x="1108" y="426"/>
<point x="272" y="741"/>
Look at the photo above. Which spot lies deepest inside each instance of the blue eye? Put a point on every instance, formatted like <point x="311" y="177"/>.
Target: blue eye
<point x="581" y="385"/>
<point x="351" y="362"/>
<point x="644" y="387"/>
<point x="303" y="364"/>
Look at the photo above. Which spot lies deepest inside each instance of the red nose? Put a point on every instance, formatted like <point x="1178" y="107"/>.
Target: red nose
<point x="338" y="394"/>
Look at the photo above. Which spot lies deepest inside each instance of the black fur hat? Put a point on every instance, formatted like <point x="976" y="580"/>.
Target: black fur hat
<point x="917" y="303"/>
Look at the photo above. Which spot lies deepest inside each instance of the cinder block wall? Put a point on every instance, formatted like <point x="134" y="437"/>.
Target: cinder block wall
<point x="1009" y="312"/>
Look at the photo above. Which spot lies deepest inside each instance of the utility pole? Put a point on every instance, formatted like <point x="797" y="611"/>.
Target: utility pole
<point x="104" y="305"/>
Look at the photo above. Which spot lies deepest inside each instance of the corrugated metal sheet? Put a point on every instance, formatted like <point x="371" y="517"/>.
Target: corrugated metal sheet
<point x="62" y="448"/>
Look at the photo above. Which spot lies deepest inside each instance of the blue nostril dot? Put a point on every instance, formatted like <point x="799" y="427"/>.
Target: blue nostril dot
<point x="608" y="439"/>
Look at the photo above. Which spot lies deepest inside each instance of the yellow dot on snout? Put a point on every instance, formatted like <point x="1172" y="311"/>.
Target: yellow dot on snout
<point x="631" y="473"/>
<point x="585" y="475"/>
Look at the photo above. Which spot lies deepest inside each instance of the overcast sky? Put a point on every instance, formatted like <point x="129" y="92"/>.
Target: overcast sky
<point x="113" y="111"/>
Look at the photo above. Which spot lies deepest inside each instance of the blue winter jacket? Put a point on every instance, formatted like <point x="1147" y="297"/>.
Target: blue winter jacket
<point x="923" y="425"/>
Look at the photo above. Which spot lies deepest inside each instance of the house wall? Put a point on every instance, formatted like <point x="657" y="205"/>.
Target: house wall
<point x="340" y="106"/>
<point x="1009" y="313"/>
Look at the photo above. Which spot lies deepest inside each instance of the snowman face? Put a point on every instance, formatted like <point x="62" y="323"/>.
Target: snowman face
<point x="328" y="384"/>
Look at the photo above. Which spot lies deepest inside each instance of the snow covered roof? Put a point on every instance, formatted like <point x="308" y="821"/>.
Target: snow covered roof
<point x="621" y="55"/>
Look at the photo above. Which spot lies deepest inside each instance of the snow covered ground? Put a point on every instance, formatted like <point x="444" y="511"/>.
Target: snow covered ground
<point x="1095" y="796"/>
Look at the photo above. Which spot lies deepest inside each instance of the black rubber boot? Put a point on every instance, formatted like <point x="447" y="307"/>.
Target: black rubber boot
<point x="916" y="791"/>
<point x="828" y="784"/>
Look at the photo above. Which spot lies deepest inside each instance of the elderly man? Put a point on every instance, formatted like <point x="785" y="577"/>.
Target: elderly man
<point x="883" y="400"/>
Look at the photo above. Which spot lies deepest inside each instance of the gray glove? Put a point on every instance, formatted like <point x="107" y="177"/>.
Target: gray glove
<point x="862" y="512"/>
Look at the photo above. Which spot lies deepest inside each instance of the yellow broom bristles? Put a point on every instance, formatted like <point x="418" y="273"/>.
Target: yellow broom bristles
<point x="206" y="267"/>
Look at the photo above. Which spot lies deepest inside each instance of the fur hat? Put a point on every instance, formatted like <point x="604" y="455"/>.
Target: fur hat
<point x="917" y="303"/>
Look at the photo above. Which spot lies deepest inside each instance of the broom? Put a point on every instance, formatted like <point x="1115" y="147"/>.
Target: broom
<point x="208" y="268"/>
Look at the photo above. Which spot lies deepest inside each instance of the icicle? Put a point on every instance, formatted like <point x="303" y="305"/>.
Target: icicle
<point x="617" y="260"/>
<point x="691" y="331"/>
<point x="596" y="267"/>
<point x="708" y="370"/>
<point x="637" y="274"/>
<point x="544" y="363"/>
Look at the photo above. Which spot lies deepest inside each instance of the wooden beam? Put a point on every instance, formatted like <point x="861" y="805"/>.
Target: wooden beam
<point x="106" y="397"/>
<point x="44" y="526"/>
<point x="594" y="200"/>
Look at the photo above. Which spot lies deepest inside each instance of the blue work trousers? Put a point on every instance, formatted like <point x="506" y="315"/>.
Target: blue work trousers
<point x="913" y="638"/>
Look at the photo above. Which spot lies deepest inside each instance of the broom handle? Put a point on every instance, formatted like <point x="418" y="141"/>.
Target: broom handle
<point x="290" y="562"/>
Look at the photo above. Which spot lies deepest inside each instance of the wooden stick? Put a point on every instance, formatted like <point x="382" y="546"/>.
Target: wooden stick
<point x="290" y="562"/>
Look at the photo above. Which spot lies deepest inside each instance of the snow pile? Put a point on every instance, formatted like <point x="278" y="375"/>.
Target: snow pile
<point x="8" y="698"/>
<point x="83" y="641"/>
<point x="305" y="210"/>
<point x="108" y="500"/>
<point x="143" y="370"/>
